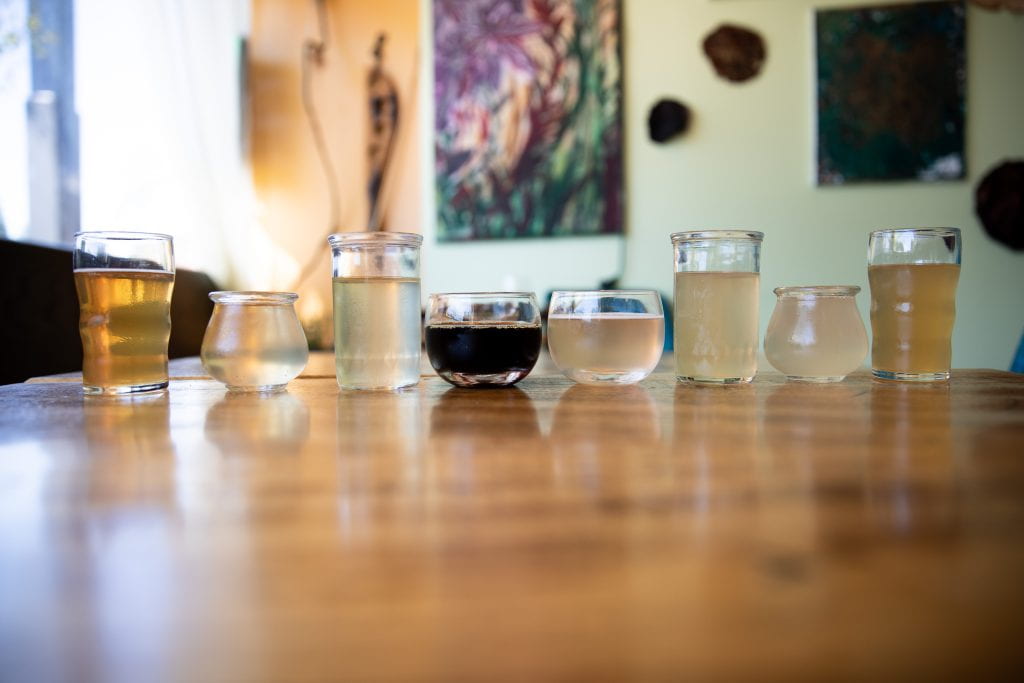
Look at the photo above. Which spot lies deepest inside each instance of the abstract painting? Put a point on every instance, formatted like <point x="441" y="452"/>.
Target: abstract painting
<point x="528" y="118"/>
<point x="891" y="83"/>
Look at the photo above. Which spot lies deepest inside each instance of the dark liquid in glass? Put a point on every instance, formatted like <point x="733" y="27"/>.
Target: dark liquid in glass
<point x="483" y="354"/>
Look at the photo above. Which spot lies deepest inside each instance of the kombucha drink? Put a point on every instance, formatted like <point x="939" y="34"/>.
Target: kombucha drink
<point x="606" y="347"/>
<point x="125" y="324"/>
<point x="377" y="332"/>
<point x="254" y="346"/>
<point x="480" y="354"/>
<point x="913" y="307"/>
<point x="716" y="326"/>
<point x="816" y="338"/>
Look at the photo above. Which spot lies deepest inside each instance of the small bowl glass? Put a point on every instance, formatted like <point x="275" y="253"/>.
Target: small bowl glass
<point x="254" y="341"/>
<point x="477" y="339"/>
<point x="816" y="334"/>
<point x="606" y="337"/>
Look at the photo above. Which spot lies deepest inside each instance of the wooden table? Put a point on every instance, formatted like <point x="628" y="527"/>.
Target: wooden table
<point x="863" y="530"/>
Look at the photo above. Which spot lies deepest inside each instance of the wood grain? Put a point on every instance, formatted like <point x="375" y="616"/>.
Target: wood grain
<point x="863" y="530"/>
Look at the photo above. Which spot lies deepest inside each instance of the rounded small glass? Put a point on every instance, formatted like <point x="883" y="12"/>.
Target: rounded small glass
<point x="254" y="341"/>
<point x="816" y="334"/>
<point x="913" y="274"/>
<point x="376" y="291"/>
<point x="480" y="339"/>
<point x="124" y="282"/>
<point x="717" y="285"/>
<point x="606" y="337"/>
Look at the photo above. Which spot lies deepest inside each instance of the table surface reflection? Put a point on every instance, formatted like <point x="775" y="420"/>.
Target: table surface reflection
<point x="863" y="530"/>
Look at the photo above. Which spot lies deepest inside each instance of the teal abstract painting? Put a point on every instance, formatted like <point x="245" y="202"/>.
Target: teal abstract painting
<point x="890" y="93"/>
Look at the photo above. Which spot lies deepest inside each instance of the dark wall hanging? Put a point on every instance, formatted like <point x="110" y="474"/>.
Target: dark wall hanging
<point x="1015" y="6"/>
<point x="528" y="118"/>
<point x="737" y="53"/>
<point x="999" y="203"/>
<point x="668" y="119"/>
<point x="891" y="83"/>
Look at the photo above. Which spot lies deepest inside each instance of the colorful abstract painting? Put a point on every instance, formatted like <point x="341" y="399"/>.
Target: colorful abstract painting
<point x="528" y="118"/>
<point x="891" y="83"/>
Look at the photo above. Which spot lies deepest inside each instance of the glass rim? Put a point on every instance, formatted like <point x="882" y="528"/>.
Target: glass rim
<point x="815" y="291"/>
<point x="485" y="295"/>
<point x="928" y="232"/>
<point x="122" y="235"/>
<point x="706" y="235"/>
<point x="252" y="297"/>
<point x="599" y="293"/>
<point x="378" y="238"/>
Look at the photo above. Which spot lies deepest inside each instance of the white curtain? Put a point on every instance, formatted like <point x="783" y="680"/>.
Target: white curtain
<point x="158" y="95"/>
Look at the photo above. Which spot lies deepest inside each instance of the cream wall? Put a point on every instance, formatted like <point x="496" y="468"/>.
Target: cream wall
<point x="747" y="162"/>
<point x="293" y="208"/>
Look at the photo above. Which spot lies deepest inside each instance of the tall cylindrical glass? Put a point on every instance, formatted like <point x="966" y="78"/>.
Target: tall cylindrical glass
<point x="376" y="309"/>
<point x="717" y="281"/>
<point x="913" y="273"/>
<point x="124" y="282"/>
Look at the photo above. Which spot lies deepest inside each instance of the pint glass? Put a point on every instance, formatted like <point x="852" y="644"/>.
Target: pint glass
<point x="376" y="309"/>
<point x="913" y="273"/>
<point x="124" y="282"/>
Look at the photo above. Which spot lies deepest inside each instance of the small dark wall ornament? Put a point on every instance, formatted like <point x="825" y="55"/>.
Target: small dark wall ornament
<point x="999" y="203"/>
<point x="737" y="53"/>
<point x="668" y="119"/>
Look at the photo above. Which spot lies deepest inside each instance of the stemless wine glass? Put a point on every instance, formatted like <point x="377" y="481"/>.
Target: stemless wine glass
<point x="124" y="282"/>
<point x="913" y="273"/>
<point x="376" y="309"/>
<point x="716" y="305"/>
<point x="606" y="337"/>
<point x="815" y="333"/>
<point x="254" y="341"/>
<point x="483" y="338"/>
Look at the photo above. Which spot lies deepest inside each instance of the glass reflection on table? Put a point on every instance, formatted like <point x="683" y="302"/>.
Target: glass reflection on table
<point x="811" y="475"/>
<point x="616" y="458"/>
<point x="257" y="424"/>
<point x="912" y="470"/>
<point x="473" y="437"/>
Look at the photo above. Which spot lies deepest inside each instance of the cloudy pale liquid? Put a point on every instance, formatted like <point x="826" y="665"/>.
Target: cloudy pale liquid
<point x="816" y="338"/>
<point x="622" y="347"/>
<point x="716" y="325"/>
<point x="913" y="308"/>
<point x="125" y="324"/>
<point x="255" y="346"/>
<point x="377" y="332"/>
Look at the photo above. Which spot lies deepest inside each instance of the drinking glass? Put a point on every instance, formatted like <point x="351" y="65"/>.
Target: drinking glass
<point x="606" y="337"/>
<point x="376" y="309"/>
<point x="483" y="338"/>
<point x="815" y="333"/>
<point x="913" y="273"/>
<point x="254" y="341"/>
<point x="716" y="305"/>
<point x="124" y="282"/>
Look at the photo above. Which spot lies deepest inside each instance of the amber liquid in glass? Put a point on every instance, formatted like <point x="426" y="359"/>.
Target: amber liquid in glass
<point x="125" y="324"/>
<point x="913" y="307"/>
<point x="716" y="326"/>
